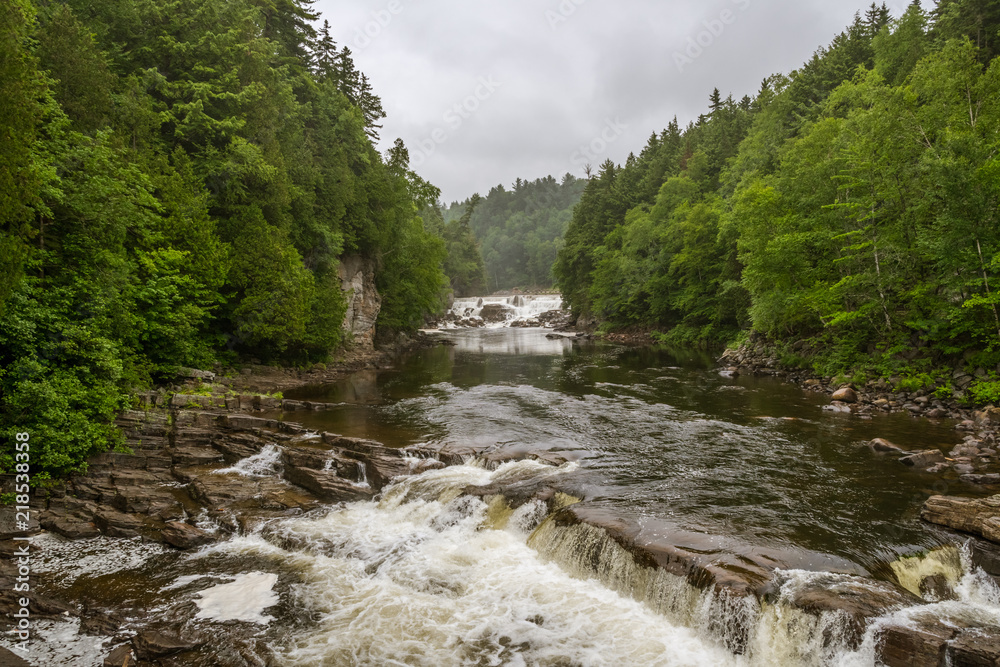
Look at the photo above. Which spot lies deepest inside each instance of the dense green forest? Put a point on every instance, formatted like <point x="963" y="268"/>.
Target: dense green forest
<point x="178" y="182"/>
<point x="853" y="204"/>
<point x="520" y="230"/>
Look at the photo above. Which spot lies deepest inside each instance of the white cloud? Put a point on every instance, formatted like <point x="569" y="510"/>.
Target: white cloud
<point x="563" y="79"/>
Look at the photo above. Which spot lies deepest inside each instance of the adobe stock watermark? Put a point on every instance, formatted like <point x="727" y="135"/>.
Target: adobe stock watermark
<point x="380" y="19"/>
<point x="714" y="29"/>
<point x="562" y="13"/>
<point x="586" y="156"/>
<point x="453" y="119"/>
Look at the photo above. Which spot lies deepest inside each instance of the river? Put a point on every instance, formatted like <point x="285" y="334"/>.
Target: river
<point x="749" y="474"/>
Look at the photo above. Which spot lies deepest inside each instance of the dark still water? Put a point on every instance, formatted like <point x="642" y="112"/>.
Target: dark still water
<point x="748" y="465"/>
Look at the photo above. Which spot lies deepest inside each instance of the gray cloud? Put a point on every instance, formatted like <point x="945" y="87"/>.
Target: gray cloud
<point x="565" y="69"/>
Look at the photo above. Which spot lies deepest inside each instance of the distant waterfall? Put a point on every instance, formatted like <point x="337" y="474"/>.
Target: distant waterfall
<point x="504" y="310"/>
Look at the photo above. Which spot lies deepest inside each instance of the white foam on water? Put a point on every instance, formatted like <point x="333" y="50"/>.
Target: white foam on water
<point x="243" y="599"/>
<point x="67" y="560"/>
<point x="266" y="463"/>
<point x="59" y="643"/>
<point x="416" y="580"/>
<point x="518" y="307"/>
<point x="181" y="582"/>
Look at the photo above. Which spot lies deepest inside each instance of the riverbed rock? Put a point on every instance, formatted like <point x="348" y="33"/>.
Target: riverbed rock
<point x="11" y="659"/>
<point x="845" y="395"/>
<point x="925" y="645"/>
<point x="123" y="655"/>
<point x="992" y="479"/>
<point x="151" y="644"/>
<point x="495" y="313"/>
<point x="327" y="486"/>
<point x="979" y="517"/>
<point x="923" y="459"/>
<point x="883" y="446"/>
<point x="185" y="536"/>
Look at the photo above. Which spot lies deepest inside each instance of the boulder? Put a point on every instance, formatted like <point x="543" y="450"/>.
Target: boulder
<point x="151" y="644"/>
<point x="326" y="485"/>
<point x="923" y="459"/>
<point x="122" y="655"/>
<point x="845" y="395"/>
<point x="921" y="645"/>
<point x="495" y="312"/>
<point x="884" y="446"/>
<point x="116" y="524"/>
<point x="71" y="528"/>
<point x="185" y="536"/>
<point x="979" y="517"/>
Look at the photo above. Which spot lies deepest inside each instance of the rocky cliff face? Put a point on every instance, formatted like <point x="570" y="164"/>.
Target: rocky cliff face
<point x="357" y="275"/>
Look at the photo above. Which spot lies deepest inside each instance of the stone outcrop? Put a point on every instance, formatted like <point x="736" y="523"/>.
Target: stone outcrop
<point x="978" y="517"/>
<point x="496" y="313"/>
<point x="357" y="276"/>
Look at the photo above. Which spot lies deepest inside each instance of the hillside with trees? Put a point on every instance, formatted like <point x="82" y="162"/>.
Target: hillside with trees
<point x="178" y="183"/>
<point x="520" y="230"/>
<point x="852" y="204"/>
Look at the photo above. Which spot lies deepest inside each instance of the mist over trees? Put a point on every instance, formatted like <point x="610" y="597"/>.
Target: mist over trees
<point x="520" y="230"/>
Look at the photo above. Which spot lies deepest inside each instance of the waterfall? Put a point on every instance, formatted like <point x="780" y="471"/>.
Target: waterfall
<point x="428" y="575"/>
<point x="501" y="311"/>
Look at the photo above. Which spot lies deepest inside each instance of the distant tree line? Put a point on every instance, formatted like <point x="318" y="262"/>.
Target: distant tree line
<point x="520" y="230"/>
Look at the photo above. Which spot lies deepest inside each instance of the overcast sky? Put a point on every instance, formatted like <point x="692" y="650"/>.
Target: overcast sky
<point x="486" y="92"/>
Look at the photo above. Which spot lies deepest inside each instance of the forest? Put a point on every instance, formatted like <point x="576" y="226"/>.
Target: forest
<point x="519" y="230"/>
<point x="178" y="182"/>
<point x="850" y="208"/>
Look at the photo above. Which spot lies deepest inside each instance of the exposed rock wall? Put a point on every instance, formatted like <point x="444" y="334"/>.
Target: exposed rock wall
<point x="357" y="276"/>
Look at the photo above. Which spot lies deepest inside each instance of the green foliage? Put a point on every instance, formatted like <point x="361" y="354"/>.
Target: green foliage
<point x="853" y="203"/>
<point x="521" y="229"/>
<point x="985" y="392"/>
<point x="178" y="184"/>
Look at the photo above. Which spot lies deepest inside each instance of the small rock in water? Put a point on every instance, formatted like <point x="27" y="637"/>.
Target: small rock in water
<point x="845" y="395"/>
<point x="185" y="536"/>
<point x="923" y="459"/>
<point x="884" y="446"/>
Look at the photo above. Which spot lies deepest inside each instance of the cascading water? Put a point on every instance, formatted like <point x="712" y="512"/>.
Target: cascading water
<point x="498" y="311"/>
<point x="430" y="576"/>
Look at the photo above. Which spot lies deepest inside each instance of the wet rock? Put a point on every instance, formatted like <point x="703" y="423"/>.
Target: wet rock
<point x="883" y="446"/>
<point x="151" y="644"/>
<point x="495" y="313"/>
<point x="116" y="524"/>
<point x="923" y="459"/>
<point x="326" y="485"/>
<point x="979" y="517"/>
<point x="11" y="659"/>
<point x="978" y="647"/>
<point x="965" y="469"/>
<point x="123" y="655"/>
<point x="992" y="479"/>
<point x="70" y="528"/>
<point x="9" y="528"/>
<point x="924" y="645"/>
<point x="937" y="413"/>
<point x="845" y="395"/>
<point x="860" y="600"/>
<point x="195" y="455"/>
<point x="185" y="536"/>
